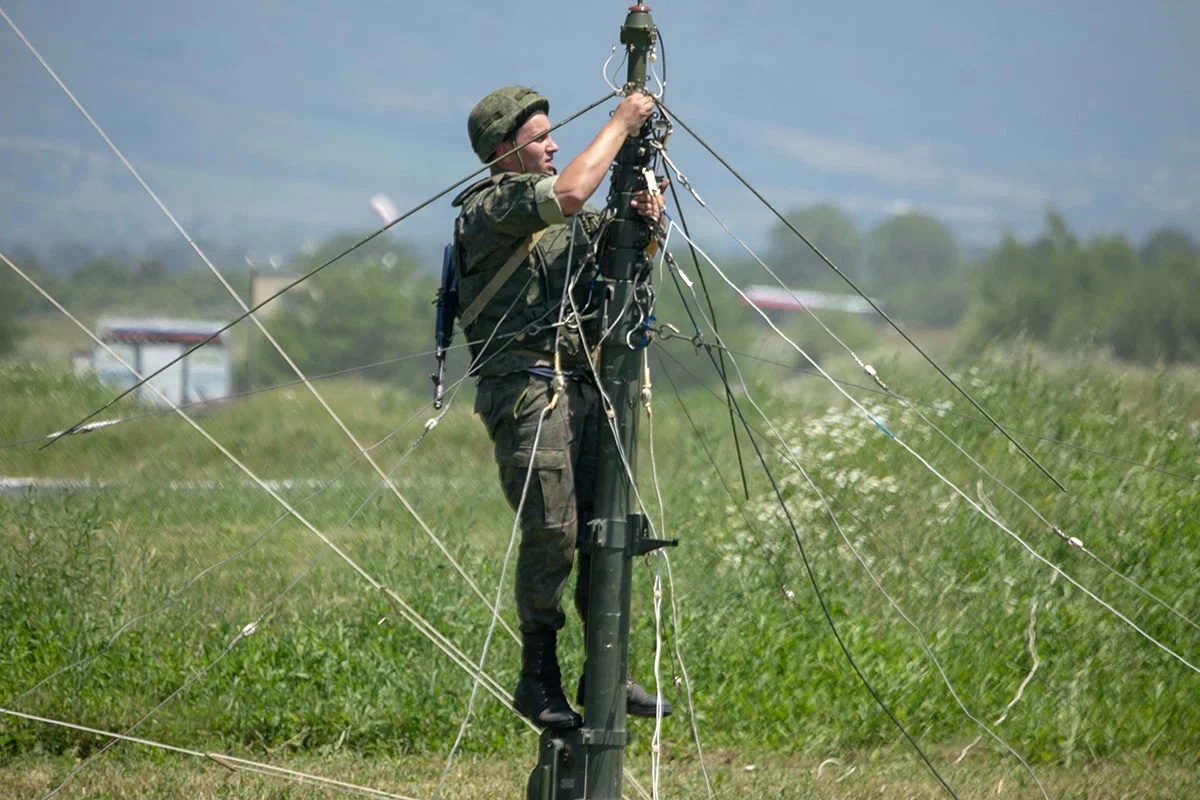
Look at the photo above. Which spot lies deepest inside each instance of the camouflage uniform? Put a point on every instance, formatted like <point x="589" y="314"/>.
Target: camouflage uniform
<point x="513" y="343"/>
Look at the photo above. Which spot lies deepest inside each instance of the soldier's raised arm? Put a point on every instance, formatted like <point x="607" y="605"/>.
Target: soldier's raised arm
<point x="580" y="178"/>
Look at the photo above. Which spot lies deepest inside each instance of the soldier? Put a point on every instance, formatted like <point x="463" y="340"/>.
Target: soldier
<point x="522" y="242"/>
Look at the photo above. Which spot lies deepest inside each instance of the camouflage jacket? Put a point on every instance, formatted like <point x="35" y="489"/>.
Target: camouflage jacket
<point x="497" y="215"/>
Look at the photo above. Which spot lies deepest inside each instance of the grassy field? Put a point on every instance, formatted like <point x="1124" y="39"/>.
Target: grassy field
<point x="130" y="594"/>
<point x="731" y="773"/>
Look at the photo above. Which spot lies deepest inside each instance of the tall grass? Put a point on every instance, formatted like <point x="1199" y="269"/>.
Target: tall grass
<point x="145" y="582"/>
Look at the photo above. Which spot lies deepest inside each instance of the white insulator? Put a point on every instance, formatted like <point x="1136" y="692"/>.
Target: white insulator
<point x="867" y="368"/>
<point x="431" y="423"/>
<point x="1075" y="541"/>
<point x="249" y="629"/>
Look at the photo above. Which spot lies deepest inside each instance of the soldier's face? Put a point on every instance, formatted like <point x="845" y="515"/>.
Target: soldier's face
<point x="538" y="155"/>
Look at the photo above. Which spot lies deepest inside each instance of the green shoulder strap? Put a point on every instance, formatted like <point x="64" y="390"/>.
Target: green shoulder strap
<point x="493" y="286"/>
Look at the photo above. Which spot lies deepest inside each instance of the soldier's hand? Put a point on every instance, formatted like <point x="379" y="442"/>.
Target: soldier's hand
<point x="634" y="110"/>
<point x="650" y="204"/>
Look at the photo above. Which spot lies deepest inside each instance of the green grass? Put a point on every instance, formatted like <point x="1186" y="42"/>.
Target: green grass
<point x="748" y="775"/>
<point x="331" y="673"/>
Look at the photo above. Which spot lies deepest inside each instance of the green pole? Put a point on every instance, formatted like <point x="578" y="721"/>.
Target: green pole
<point x="615" y="529"/>
<point x="588" y="763"/>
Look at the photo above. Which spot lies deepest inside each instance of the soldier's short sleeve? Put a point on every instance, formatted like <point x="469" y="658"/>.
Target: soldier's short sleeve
<point x="520" y="205"/>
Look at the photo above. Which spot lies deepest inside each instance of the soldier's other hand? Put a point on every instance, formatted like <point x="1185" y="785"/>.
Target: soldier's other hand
<point x="651" y="204"/>
<point x="634" y="110"/>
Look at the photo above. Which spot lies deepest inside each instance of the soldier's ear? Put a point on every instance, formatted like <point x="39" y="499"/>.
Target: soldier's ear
<point x="504" y="148"/>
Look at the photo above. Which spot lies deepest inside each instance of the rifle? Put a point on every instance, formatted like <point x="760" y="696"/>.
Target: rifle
<point x="446" y="302"/>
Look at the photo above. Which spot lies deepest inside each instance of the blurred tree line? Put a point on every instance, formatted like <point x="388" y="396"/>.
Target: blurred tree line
<point x="375" y="305"/>
<point x="1061" y="291"/>
<point x="1137" y="301"/>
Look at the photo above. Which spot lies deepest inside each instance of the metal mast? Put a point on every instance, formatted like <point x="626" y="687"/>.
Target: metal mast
<point x="589" y="762"/>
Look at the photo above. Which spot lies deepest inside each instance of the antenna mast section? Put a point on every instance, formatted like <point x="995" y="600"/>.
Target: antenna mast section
<point x="588" y="763"/>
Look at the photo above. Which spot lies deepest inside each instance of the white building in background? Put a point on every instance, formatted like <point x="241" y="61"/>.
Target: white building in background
<point x="147" y="345"/>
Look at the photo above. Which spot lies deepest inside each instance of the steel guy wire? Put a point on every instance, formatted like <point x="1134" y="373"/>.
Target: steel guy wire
<point x="174" y="596"/>
<point x="225" y="760"/>
<point x="712" y="315"/>
<point x="960" y="415"/>
<point x="250" y="313"/>
<point x="950" y="484"/>
<point x="1074" y="542"/>
<point x="223" y="402"/>
<point x="820" y="595"/>
<point x="392" y="598"/>
<point x="828" y="614"/>
<point x="487" y="640"/>
<point x="633" y="485"/>
<point x="396" y="601"/>
<point x="868" y="369"/>
<point x="862" y="294"/>
<point x="871" y="372"/>
<point x="920" y="634"/>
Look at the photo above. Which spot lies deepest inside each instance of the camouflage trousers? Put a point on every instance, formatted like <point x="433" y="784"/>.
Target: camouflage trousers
<point x="561" y="492"/>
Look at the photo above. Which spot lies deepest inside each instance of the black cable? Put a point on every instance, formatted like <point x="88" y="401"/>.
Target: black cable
<point x="862" y="294"/>
<point x="662" y="45"/>
<point x="959" y="414"/>
<point x="713" y="316"/>
<point x="313" y="272"/>
<point x="780" y="451"/>
<point x="813" y="579"/>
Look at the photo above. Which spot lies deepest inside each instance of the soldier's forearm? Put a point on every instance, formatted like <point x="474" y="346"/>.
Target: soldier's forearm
<point x="580" y="178"/>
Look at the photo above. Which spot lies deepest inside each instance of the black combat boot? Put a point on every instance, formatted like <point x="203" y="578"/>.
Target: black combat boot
<point x="638" y="701"/>
<point x="539" y="696"/>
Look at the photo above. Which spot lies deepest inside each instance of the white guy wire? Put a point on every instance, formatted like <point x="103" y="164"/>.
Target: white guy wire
<point x="487" y="640"/>
<point x="920" y="634"/>
<point x="687" y="680"/>
<point x="939" y="475"/>
<point x="233" y="292"/>
<point x="406" y="611"/>
<point x="871" y="372"/>
<point x="222" y="562"/>
<point x="223" y="759"/>
<point x="791" y="457"/>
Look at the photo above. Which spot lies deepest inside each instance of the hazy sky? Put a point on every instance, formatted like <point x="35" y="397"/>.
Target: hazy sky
<point x="280" y="119"/>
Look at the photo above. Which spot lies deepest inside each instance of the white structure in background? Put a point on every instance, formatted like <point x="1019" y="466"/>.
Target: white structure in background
<point x="797" y="300"/>
<point x="149" y="344"/>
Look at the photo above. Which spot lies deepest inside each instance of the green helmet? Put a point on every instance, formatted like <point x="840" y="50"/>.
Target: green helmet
<point x="497" y="116"/>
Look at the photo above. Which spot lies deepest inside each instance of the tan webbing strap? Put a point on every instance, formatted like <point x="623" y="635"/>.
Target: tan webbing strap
<point x="493" y="286"/>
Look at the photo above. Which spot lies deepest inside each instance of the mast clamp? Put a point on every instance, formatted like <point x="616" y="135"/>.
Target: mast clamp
<point x="639" y="543"/>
